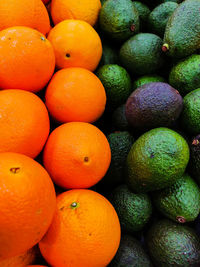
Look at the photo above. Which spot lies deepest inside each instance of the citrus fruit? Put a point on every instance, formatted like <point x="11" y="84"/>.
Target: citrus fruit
<point x="30" y="13"/>
<point x="22" y="260"/>
<point x="24" y="122"/>
<point x="27" y="203"/>
<point x="76" y="44"/>
<point x="73" y="86"/>
<point x="86" y="10"/>
<point x="27" y="59"/>
<point x="77" y="155"/>
<point x="85" y="231"/>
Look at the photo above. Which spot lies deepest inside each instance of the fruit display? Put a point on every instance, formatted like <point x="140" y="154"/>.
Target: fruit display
<point x="99" y="133"/>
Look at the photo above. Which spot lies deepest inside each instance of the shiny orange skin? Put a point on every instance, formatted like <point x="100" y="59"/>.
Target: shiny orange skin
<point x="87" y="234"/>
<point x="24" y="122"/>
<point x="27" y="203"/>
<point x="86" y="10"/>
<point x="29" y="13"/>
<point x="77" y="155"/>
<point x="22" y="260"/>
<point x="76" y="44"/>
<point x="75" y="94"/>
<point x="27" y="59"/>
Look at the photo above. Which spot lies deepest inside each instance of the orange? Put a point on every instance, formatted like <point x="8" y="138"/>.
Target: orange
<point x="86" y="10"/>
<point x="77" y="155"/>
<point x="22" y="260"/>
<point x="27" y="203"/>
<point x="24" y="122"/>
<point x="75" y="94"/>
<point x="27" y="59"/>
<point x="85" y="231"/>
<point x="76" y="44"/>
<point x="30" y="13"/>
<point x="35" y="266"/>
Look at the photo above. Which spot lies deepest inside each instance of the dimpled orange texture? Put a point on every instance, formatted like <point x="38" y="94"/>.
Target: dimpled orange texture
<point x="86" y="10"/>
<point x="77" y="155"/>
<point x="76" y="44"/>
<point x="27" y="203"/>
<point x="27" y="59"/>
<point x="75" y="94"/>
<point x="30" y="13"/>
<point x="24" y="122"/>
<point x="21" y="260"/>
<point x="85" y="231"/>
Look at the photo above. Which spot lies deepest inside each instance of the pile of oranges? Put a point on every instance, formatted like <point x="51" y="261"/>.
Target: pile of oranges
<point x="49" y="98"/>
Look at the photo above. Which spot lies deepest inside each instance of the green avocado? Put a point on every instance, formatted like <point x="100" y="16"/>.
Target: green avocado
<point x="153" y="105"/>
<point x="158" y="18"/>
<point x="120" y="145"/>
<point x="182" y="32"/>
<point x="133" y="210"/>
<point x="190" y="116"/>
<point x="147" y="79"/>
<point x="130" y="254"/>
<point x="185" y="76"/>
<point x="171" y="244"/>
<point x="143" y="12"/>
<point x="181" y="201"/>
<point x="142" y="54"/>
<point x="119" y="19"/>
<point x="117" y="83"/>
<point x="157" y="159"/>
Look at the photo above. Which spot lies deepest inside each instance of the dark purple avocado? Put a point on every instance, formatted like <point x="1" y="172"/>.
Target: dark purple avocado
<point x="152" y="105"/>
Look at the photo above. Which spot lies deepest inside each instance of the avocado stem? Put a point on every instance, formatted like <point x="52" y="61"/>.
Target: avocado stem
<point x="132" y="27"/>
<point x="180" y="219"/>
<point x="195" y="142"/>
<point x="165" y="47"/>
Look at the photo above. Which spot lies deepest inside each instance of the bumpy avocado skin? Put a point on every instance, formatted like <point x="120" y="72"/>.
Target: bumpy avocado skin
<point x="143" y="12"/>
<point x="157" y="159"/>
<point x="142" y="54"/>
<point x="134" y="210"/>
<point x="117" y="83"/>
<point x="119" y="19"/>
<point x="182" y="32"/>
<point x="120" y="145"/>
<point x="158" y="18"/>
<point x="147" y="79"/>
<point x="170" y="244"/>
<point x="185" y="76"/>
<point x="130" y="254"/>
<point x="181" y="201"/>
<point x="190" y="116"/>
<point x="153" y="105"/>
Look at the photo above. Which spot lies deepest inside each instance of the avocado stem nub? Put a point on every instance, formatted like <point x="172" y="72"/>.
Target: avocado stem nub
<point x="180" y="219"/>
<point x="165" y="47"/>
<point x="195" y="142"/>
<point x="132" y="27"/>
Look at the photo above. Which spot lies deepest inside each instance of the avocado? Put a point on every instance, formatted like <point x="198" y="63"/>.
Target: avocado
<point x="120" y="145"/>
<point x="117" y="83"/>
<point x="158" y="18"/>
<point x="143" y="12"/>
<point x="109" y="55"/>
<point x="153" y="105"/>
<point x="157" y="159"/>
<point x="181" y="201"/>
<point x="185" y="75"/>
<point x="142" y="54"/>
<point x="119" y="19"/>
<point x="119" y="121"/>
<point x="182" y="32"/>
<point x="147" y="79"/>
<point x="170" y="244"/>
<point x="190" y="116"/>
<point x="133" y="210"/>
<point x="194" y="163"/>
<point x="130" y="254"/>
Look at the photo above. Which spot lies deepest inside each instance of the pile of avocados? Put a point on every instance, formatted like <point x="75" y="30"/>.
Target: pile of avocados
<point x="150" y="69"/>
